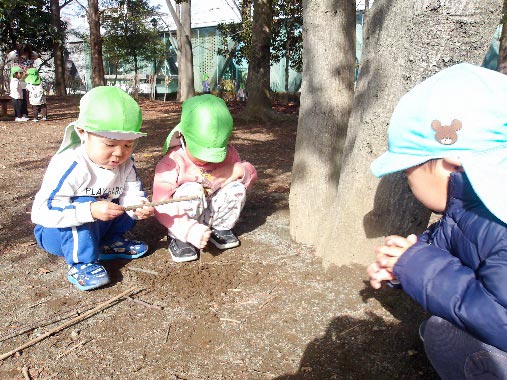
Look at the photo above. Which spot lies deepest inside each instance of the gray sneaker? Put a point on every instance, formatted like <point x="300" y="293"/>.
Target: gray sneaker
<point x="181" y="251"/>
<point x="223" y="239"/>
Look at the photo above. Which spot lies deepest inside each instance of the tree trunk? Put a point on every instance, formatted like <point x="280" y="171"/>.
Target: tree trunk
<point x="287" y="64"/>
<point x="258" y="79"/>
<point x="502" y="49"/>
<point x="407" y="41"/>
<point x="326" y="103"/>
<point x="186" y="70"/>
<point x="58" y="49"/>
<point x="98" y="75"/>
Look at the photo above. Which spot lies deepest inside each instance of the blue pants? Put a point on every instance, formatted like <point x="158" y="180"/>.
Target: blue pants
<point x="82" y="244"/>
<point x="455" y="354"/>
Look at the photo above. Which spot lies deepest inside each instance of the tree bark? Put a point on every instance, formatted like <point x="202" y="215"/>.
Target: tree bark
<point x="502" y="49"/>
<point x="58" y="48"/>
<point x="326" y="102"/>
<point x="98" y="75"/>
<point x="258" y="79"/>
<point x="406" y="42"/>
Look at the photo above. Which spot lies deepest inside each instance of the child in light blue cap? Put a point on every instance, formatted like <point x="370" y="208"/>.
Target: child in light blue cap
<point x="449" y="135"/>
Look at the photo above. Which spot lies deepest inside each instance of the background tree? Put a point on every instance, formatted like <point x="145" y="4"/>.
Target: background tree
<point x="25" y="21"/>
<point x="326" y="103"/>
<point x="258" y="105"/>
<point x="502" y="49"/>
<point x="185" y="58"/>
<point x="128" y="37"/>
<point x="97" y="63"/>
<point x="58" y="45"/>
<point x="287" y="41"/>
<point x="406" y="42"/>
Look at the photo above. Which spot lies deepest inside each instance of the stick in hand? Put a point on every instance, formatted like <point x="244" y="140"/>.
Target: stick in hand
<point x="159" y="203"/>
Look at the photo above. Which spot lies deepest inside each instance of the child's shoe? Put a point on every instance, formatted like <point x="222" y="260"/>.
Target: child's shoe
<point x="19" y="119"/>
<point x="181" y="251"/>
<point x="223" y="239"/>
<point x="35" y="120"/>
<point x="44" y="118"/>
<point x="123" y="248"/>
<point x="87" y="276"/>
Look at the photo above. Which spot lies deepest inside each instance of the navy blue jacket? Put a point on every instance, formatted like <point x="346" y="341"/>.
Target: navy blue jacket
<point x="457" y="270"/>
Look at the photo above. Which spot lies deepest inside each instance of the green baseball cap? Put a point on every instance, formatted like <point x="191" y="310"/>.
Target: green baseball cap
<point x="14" y="70"/>
<point x="32" y="76"/>
<point x="106" y="111"/>
<point x="206" y="125"/>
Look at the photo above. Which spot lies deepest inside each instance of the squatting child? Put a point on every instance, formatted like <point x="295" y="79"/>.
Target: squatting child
<point x="16" y="93"/>
<point x="36" y="95"/>
<point x="79" y="209"/>
<point x="449" y="135"/>
<point x="201" y="163"/>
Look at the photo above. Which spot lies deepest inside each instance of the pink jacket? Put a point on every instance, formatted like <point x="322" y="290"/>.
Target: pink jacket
<point x="175" y="169"/>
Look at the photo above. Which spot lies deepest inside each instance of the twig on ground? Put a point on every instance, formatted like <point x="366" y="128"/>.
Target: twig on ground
<point x="25" y="373"/>
<point x="73" y="321"/>
<point x="230" y="320"/>
<point x="72" y="348"/>
<point x="136" y="269"/>
<point x="144" y="303"/>
<point x="167" y="333"/>
<point x="159" y="203"/>
<point x="349" y="329"/>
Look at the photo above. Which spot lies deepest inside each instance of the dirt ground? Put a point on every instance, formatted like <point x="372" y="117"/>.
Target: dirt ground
<point x="264" y="310"/>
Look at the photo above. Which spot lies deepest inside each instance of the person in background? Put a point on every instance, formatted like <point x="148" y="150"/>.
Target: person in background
<point x="16" y="93"/>
<point x="23" y="57"/>
<point x="36" y="94"/>
<point x="449" y="135"/>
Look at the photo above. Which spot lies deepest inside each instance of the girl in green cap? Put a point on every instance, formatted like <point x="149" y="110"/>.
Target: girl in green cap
<point x="80" y="207"/>
<point x="36" y="95"/>
<point x="201" y="163"/>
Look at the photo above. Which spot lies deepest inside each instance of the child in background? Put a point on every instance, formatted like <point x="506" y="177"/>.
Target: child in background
<point x="200" y="162"/>
<point x="242" y="93"/>
<point x="449" y="135"/>
<point x="79" y="210"/>
<point x="36" y="94"/>
<point x="16" y="93"/>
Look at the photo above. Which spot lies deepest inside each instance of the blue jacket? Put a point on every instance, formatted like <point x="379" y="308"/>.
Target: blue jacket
<point x="457" y="270"/>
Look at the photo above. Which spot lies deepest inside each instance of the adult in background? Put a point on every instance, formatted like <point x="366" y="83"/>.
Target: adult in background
<point x="23" y="57"/>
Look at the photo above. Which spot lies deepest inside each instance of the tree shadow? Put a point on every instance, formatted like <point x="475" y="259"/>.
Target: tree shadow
<point x="369" y="347"/>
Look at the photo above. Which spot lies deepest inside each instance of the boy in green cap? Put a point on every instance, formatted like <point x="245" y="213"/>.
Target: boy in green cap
<point x="36" y="95"/>
<point x="200" y="163"/>
<point x="80" y="208"/>
<point x="16" y="93"/>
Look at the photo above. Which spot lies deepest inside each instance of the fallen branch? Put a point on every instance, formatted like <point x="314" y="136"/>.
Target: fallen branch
<point x="25" y="373"/>
<point x="144" y="303"/>
<point x="70" y="349"/>
<point x="136" y="269"/>
<point x="159" y="203"/>
<point x="73" y="321"/>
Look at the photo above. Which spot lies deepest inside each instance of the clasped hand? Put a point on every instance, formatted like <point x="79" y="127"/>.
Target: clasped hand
<point x="105" y="211"/>
<point x="387" y="256"/>
<point x="229" y="173"/>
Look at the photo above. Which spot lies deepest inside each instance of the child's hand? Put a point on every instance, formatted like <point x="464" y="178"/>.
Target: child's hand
<point x="204" y="238"/>
<point x="144" y="212"/>
<point x="387" y="256"/>
<point x="229" y="173"/>
<point x="105" y="210"/>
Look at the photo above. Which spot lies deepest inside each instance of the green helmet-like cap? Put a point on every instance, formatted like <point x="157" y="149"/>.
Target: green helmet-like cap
<point x="32" y="76"/>
<point x="106" y="111"/>
<point x="206" y="125"/>
<point x="14" y="70"/>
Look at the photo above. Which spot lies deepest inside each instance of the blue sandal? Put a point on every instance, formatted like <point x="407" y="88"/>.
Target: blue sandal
<point x="123" y="248"/>
<point x="87" y="276"/>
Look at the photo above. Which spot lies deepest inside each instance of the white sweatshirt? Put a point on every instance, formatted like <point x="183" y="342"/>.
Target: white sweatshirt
<point x="72" y="174"/>
<point x="15" y="90"/>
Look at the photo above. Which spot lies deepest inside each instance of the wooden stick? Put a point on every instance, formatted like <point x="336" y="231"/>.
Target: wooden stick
<point x="73" y="321"/>
<point x="72" y="348"/>
<point x="153" y="204"/>
<point x="144" y="303"/>
<point x="25" y="373"/>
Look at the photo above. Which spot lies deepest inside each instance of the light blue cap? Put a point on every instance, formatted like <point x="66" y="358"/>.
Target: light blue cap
<point x="467" y="104"/>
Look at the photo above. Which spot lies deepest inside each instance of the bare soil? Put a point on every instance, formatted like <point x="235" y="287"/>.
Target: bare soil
<point x="264" y="310"/>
